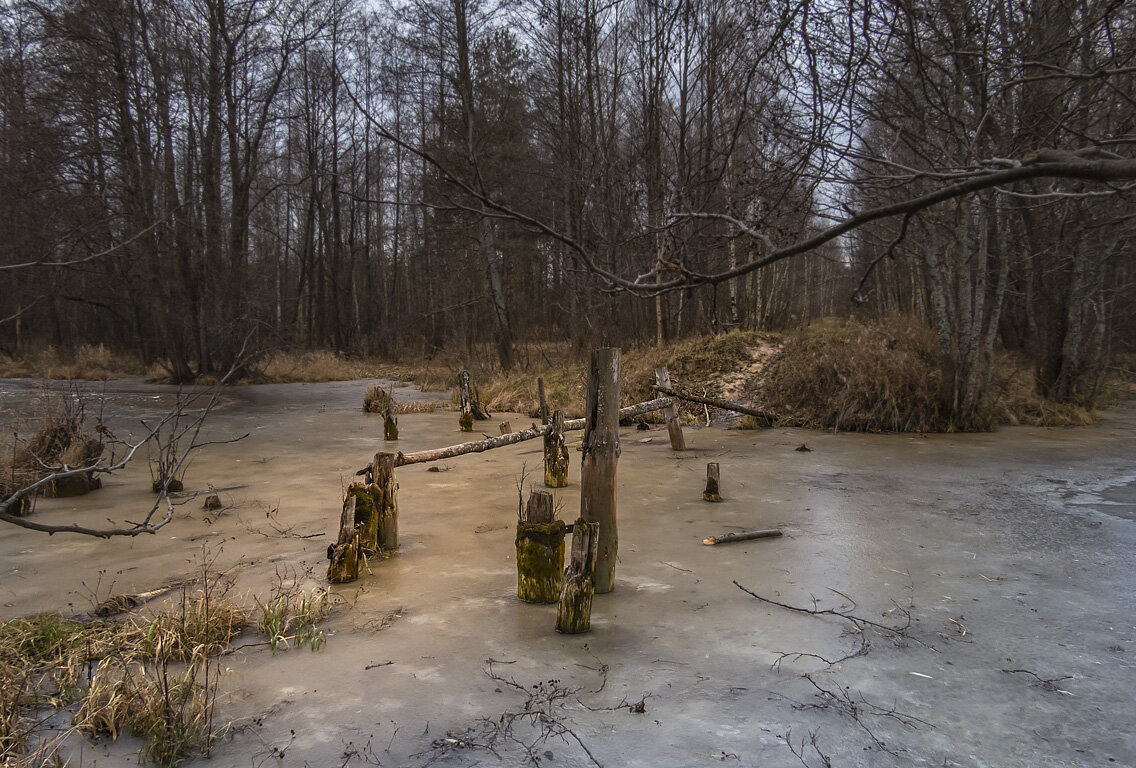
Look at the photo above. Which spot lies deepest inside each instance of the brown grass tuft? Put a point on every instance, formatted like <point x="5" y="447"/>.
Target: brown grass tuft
<point x="878" y="376"/>
<point x="88" y="362"/>
<point x="377" y="400"/>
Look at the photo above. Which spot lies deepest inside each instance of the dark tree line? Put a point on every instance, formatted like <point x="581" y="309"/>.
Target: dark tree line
<point x="188" y="178"/>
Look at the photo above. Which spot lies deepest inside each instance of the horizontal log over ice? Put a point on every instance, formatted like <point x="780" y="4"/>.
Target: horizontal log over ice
<point x="477" y="446"/>
<point x="725" y="405"/>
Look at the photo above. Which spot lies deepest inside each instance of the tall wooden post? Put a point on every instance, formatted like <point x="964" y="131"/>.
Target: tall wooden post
<point x="555" y="454"/>
<point x="385" y="489"/>
<point x="600" y="458"/>
<point x="543" y="399"/>
<point x="390" y="425"/>
<point x="574" y="614"/>
<point x="465" y="403"/>
<point x="674" y="423"/>
<point x="540" y="550"/>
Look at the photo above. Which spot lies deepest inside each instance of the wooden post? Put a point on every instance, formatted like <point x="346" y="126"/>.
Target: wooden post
<point x="600" y="459"/>
<point x="713" y="478"/>
<point x="362" y="498"/>
<point x="674" y="422"/>
<point x="390" y="426"/>
<point x="555" y="453"/>
<point x="385" y="489"/>
<point x="505" y="427"/>
<point x="465" y="403"/>
<point x="344" y="554"/>
<point x="574" y="614"/>
<point x="543" y="399"/>
<point x="540" y="550"/>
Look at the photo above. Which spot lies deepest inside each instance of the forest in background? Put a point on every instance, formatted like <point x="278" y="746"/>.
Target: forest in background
<point x="192" y="181"/>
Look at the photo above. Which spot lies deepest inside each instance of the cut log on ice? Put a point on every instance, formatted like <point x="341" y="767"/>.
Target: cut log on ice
<point x="758" y="413"/>
<point x="344" y="554"/>
<point x="674" y="423"/>
<point x="713" y="482"/>
<point x="726" y="538"/>
<point x="555" y="453"/>
<point x="540" y="550"/>
<point x="574" y="613"/>
<point x="600" y="460"/>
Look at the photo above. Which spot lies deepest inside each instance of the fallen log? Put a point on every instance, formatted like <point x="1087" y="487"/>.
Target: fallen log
<point x="477" y="446"/>
<point x="731" y="537"/>
<point x="758" y="413"/>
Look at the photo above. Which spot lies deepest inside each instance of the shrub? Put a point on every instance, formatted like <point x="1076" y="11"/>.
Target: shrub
<point x="878" y="376"/>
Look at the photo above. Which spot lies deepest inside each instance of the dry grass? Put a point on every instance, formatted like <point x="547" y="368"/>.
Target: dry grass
<point x="377" y="400"/>
<point x="88" y="362"/>
<point x="879" y="376"/>
<point x="286" y="367"/>
<point x="155" y="677"/>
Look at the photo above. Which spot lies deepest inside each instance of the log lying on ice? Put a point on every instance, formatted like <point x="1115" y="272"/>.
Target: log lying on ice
<point x="477" y="446"/>
<point x="725" y="405"/>
<point x="726" y="538"/>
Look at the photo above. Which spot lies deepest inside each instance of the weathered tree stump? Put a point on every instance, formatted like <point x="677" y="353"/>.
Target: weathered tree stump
<point x="344" y="553"/>
<point x="542" y="398"/>
<point x="505" y="427"/>
<point x="362" y="497"/>
<point x="574" y="613"/>
<point x="555" y="453"/>
<point x="172" y="486"/>
<point x="540" y="550"/>
<point x="674" y="423"/>
<point x="480" y="412"/>
<point x="390" y="426"/>
<point x="385" y="489"/>
<point x="212" y="502"/>
<point x="600" y="458"/>
<point x="713" y="479"/>
<point x="465" y="403"/>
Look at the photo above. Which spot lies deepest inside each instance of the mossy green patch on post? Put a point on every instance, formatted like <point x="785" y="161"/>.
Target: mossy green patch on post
<point x="540" y="561"/>
<point x="465" y="422"/>
<point x="366" y="517"/>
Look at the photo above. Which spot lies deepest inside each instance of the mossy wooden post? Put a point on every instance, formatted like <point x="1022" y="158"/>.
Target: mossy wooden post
<point x="674" y="423"/>
<point x="362" y="497"/>
<point x="390" y="426"/>
<point x="542" y="398"/>
<point x="600" y="458"/>
<point x="385" y="490"/>
<point x="713" y="479"/>
<point x="344" y="554"/>
<point x="465" y="403"/>
<point x="540" y="550"/>
<point x="555" y="453"/>
<point x="574" y="614"/>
